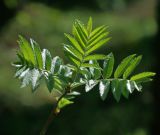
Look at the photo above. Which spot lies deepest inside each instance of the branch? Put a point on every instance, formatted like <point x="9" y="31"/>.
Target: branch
<point x="55" y="111"/>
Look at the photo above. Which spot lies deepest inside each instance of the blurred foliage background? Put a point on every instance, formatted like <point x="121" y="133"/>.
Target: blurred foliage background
<point x="134" y="28"/>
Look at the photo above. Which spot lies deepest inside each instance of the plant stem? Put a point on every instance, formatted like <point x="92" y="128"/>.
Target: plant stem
<point x="55" y="111"/>
<point x="52" y="115"/>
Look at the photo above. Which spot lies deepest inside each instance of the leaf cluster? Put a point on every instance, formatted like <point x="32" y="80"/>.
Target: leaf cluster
<point x="84" y="68"/>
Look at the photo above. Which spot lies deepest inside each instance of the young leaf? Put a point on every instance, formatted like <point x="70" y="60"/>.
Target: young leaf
<point x="104" y="87"/>
<point x="123" y="66"/>
<point x="64" y="102"/>
<point x="37" y="53"/>
<point x="108" y="66"/>
<point x="26" y="49"/>
<point x="132" y="66"/>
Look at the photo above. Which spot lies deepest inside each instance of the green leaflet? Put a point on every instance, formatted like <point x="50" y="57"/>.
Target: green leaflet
<point x="108" y="66"/>
<point x="95" y="57"/>
<point x="74" y="43"/>
<point x="95" y="41"/>
<point x="49" y="82"/>
<point x="64" y="102"/>
<point x="89" y="26"/>
<point x="26" y="50"/>
<point x="90" y="65"/>
<point x="72" y="59"/>
<point x="132" y="66"/>
<point x="85" y="72"/>
<point x="47" y="59"/>
<point x="130" y="86"/>
<point x="142" y="76"/>
<point x="98" y="45"/>
<point x="35" y="78"/>
<point x="79" y="39"/>
<point x="20" y="71"/>
<point x="73" y="52"/>
<point x="123" y="66"/>
<point x="26" y="78"/>
<point x="82" y="29"/>
<point x="90" y="85"/>
<point x="123" y="88"/>
<point x="96" y="73"/>
<point x="56" y="62"/>
<point x="104" y="87"/>
<point x="37" y="53"/>
<point x="97" y="32"/>
<point x="116" y="90"/>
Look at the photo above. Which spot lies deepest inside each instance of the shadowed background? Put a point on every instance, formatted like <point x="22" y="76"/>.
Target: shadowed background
<point x="134" y="28"/>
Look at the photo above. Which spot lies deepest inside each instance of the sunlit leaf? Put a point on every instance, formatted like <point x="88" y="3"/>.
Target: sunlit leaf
<point x="104" y="87"/>
<point x="90" y="85"/>
<point x="47" y="59"/>
<point x="56" y="62"/>
<point x="26" y="49"/>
